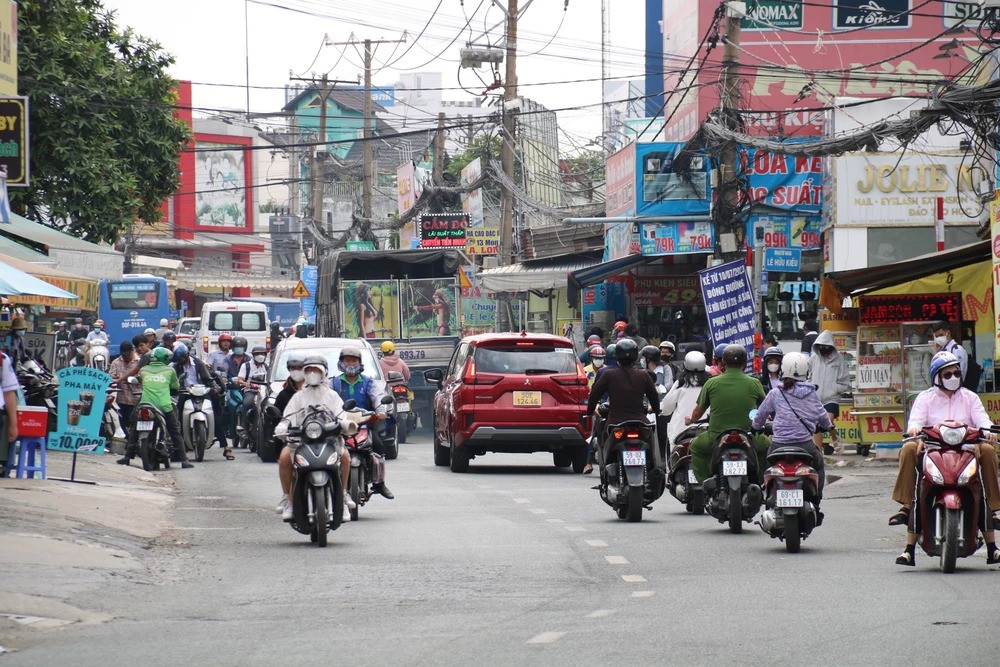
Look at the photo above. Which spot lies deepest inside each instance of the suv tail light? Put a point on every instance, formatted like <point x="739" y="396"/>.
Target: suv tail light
<point x="267" y="343"/>
<point x="470" y="376"/>
<point x="580" y="379"/>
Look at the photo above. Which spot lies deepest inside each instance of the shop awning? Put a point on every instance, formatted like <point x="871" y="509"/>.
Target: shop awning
<point x="187" y="281"/>
<point x="17" y="283"/>
<point x="599" y="272"/>
<point x="528" y="276"/>
<point x="842" y="284"/>
<point x="84" y="292"/>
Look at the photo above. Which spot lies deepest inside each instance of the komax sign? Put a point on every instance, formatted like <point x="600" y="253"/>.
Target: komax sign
<point x="765" y="14"/>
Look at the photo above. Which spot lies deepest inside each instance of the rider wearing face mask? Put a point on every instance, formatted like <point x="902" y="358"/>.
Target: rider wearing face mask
<point x="597" y="356"/>
<point x="943" y="342"/>
<point x="254" y="367"/>
<point x="770" y="377"/>
<point x="313" y="391"/>
<point x="367" y="393"/>
<point x="828" y="371"/>
<point x="15" y="341"/>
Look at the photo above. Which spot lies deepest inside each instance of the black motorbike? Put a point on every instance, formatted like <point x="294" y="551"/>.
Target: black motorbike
<point x="248" y="429"/>
<point x="363" y="458"/>
<point x="317" y="494"/>
<point x="40" y="390"/>
<point x="681" y="481"/>
<point x="151" y="437"/>
<point x="731" y="491"/>
<point x="630" y="479"/>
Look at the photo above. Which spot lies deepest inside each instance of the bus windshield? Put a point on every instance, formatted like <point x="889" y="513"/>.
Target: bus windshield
<point x="134" y="296"/>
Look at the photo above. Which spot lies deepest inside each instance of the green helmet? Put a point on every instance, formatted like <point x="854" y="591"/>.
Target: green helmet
<point x="162" y="355"/>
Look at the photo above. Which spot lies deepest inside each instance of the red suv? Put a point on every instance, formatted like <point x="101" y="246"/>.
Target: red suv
<point x="509" y="392"/>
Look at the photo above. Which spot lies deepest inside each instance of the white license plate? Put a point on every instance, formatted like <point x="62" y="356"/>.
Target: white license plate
<point x="144" y="426"/>
<point x="691" y="477"/>
<point x="734" y="468"/>
<point x="634" y="457"/>
<point x="402" y="407"/>
<point x="789" y="498"/>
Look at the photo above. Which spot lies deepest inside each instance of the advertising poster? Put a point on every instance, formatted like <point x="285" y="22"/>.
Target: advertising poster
<point x="310" y="278"/>
<point x="995" y="254"/>
<point x="620" y="182"/>
<point x="662" y="190"/>
<point x="429" y="308"/>
<point x="676" y="238"/>
<point x="371" y="308"/>
<point x="82" y="393"/>
<point x="785" y="231"/>
<point x="221" y="184"/>
<point x="43" y="345"/>
<point x="620" y="240"/>
<point x="602" y="304"/>
<point x="782" y="181"/>
<point x="665" y="291"/>
<point x="472" y="201"/>
<point x="482" y="241"/>
<point x="443" y="230"/>
<point x="729" y="303"/>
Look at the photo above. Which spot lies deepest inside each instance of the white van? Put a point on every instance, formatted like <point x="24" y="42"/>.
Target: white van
<point x="237" y="318"/>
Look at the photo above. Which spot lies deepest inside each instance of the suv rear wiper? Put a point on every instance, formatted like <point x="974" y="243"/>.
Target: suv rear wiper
<point x="538" y="371"/>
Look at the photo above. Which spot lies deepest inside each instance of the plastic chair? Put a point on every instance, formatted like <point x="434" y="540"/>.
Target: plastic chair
<point x="22" y="458"/>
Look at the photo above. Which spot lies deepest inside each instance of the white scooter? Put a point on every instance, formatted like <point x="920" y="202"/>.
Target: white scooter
<point x="97" y="354"/>
<point x="198" y="420"/>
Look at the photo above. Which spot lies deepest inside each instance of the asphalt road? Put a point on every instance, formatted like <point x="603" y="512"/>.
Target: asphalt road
<point x="519" y="563"/>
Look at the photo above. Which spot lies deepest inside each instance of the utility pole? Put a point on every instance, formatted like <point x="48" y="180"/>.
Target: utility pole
<point x="438" y="172"/>
<point x="507" y="157"/>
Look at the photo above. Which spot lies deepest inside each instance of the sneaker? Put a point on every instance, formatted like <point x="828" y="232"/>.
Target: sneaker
<point x="347" y="514"/>
<point x="123" y="461"/>
<point x="186" y="464"/>
<point x="383" y="490"/>
<point x="280" y="509"/>
<point x="348" y="503"/>
<point x="287" y="514"/>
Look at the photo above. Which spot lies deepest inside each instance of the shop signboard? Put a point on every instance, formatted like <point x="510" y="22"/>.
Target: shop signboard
<point x="889" y="190"/>
<point x="15" y="150"/>
<point x="845" y="321"/>
<point x="729" y="303"/>
<point x="479" y="311"/>
<point x="898" y="308"/>
<point x="482" y="240"/>
<point x="621" y="239"/>
<point x="407" y="188"/>
<point x="676" y="238"/>
<point x="854" y="14"/>
<point x="82" y="391"/>
<point x="443" y="230"/>
<point x="968" y="14"/>
<point x="360" y="246"/>
<point x="783" y="181"/>
<point x="620" y="183"/>
<point x="602" y="303"/>
<point x="771" y="14"/>
<point x="472" y="201"/>
<point x="665" y="291"/>
<point x="8" y="48"/>
<point x="788" y="260"/>
<point x="42" y="345"/>
<point x="310" y="280"/>
<point x="661" y="190"/>
<point x="86" y="292"/>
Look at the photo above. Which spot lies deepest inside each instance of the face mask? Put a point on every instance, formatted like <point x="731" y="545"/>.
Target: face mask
<point x="21" y="332"/>
<point x="941" y="340"/>
<point x="297" y="375"/>
<point x="259" y="358"/>
<point x="598" y="363"/>
<point x="952" y="383"/>
<point x="314" y="378"/>
<point x="238" y="352"/>
<point x="773" y="367"/>
<point x="352" y="369"/>
<point x="97" y="328"/>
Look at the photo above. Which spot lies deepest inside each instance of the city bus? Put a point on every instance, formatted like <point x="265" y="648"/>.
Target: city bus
<point x="131" y="305"/>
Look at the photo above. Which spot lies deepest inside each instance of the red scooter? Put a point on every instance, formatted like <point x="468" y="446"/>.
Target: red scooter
<point x="791" y="493"/>
<point x="950" y="506"/>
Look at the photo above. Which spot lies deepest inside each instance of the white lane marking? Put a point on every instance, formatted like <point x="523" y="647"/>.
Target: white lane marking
<point x="555" y="521"/>
<point x="576" y="529"/>
<point x="222" y="509"/>
<point x="633" y="578"/>
<point x="616" y="560"/>
<point x="208" y="497"/>
<point x="201" y="528"/>
<point x="521" y="501"/>
<point x="600" y="613"/>
<point x="546" y="638"/>
<point x="537" y="511"/>
<point x="485" y="486"/>
<point x="642" y="594"/>
<point x="596" y="543"/>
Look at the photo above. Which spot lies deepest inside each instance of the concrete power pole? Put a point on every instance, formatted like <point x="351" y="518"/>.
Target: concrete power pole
<point x="438" y="167"/>
<point x="318" y="182"/>
<point x="366" y="193"/>
<point x="507" y="157"/>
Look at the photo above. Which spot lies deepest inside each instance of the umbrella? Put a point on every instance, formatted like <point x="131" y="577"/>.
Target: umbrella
<point x="14" y="282"/>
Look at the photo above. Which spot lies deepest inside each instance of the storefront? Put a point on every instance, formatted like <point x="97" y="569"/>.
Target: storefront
<point x="43" y="311"/>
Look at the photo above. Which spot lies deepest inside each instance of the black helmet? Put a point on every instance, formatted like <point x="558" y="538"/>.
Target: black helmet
<point x="773" y="352"/>
<point x="258" y="349"/>
<point x="651" y="353"/>
<point x="734" y="355"/>
<point x="168" y="338"/>
<point x="240" y="341"/>
<point x="626" y="352"/>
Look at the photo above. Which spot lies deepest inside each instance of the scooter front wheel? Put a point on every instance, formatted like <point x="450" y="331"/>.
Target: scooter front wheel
<point x="200" y="437"/>
<point x="322" y="521"/>
<point x="949" y="545"/>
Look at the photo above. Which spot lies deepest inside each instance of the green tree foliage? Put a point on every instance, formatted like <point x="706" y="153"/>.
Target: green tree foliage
<point x="104" y="140"/>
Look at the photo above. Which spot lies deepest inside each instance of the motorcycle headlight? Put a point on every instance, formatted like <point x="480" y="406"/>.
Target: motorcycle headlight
<point x="301" y="460"/>
<point x="968" y="473"/>
<point x="952" y="436"/>
<point x="931" y="469"/>
<point x="334" y="458"/>
<point x="313" y="430"/>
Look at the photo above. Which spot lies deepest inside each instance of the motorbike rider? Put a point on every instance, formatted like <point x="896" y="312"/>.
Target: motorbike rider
<point x="164" y="328"/>
<point x="150" y="335"/>
<point x="945" y="400"/>
<point x="218" y="362"/>
<point x="625" y="386"/>
<point x="770" y="376"/>
<point x="14" y="343"/>
<point x="664" y="378"/>
<point x="314" y="391"/>
<point x="159" y="383"/>
<point x="796" y="414"/>
<point x="168" y="340"/>
<point x="61" y="333"/>
<point x="683" y="395"/>
<point x="253" y="367"/>
<point x="597" y="356"/>
<point x="191" y="371"/>
<point x="126" y="364"/>
<point x="390" y="361"/>
<point x="828" y="371"/>
<point x="718" y="365"/>
<point x="943" y="342"/>
<point x="592" y="340"/>
<point x="296" y="378"/>
<point x="731" y="396"/>
<point x="367" y="393"/>
<point x="79" y="331"/>
<point x="667" y="353"/>
<point x="610" y="361"/>
<point x="97" y="337"/>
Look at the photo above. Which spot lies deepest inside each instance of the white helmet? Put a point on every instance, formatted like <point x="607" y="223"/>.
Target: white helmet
<point x="795" y="365"/>
<point x="164" y="322"/>
<point x="694" y="361"/>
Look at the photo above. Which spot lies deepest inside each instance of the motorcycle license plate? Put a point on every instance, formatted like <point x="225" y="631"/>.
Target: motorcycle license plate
<point x="734" y="468"/>
<point x="691" y="477"/>
<point x="789" y="498"/>
<point x="527" y="399"/>
<point x="402" y="407"/>
<point x="144" y="426"/>
<point x="634" y="457"/>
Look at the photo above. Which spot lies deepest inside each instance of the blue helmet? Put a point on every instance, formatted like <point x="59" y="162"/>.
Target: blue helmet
<point x="720" y="349"/>
<point x="180" y="352"/>
<point x="940" y="361"/>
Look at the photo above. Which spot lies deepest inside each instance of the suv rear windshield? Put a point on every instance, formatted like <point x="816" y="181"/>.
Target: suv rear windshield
<point x="537" y="360"/>
<point x="234" y="320"/>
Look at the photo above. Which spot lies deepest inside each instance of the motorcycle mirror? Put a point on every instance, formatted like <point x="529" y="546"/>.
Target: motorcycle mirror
<point x="387" y="400"/>
<point x="133" y="380"/>
<point x="350" y="404"/>
<point x="753" y="414"/>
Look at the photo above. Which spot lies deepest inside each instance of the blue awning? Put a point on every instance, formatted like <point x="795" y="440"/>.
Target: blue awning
<point x="14" y="282"/>
<point x="599" y="272"/>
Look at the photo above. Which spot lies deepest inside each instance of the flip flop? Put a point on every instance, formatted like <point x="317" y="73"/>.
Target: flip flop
<point x="905" y="559"/>
<point x="900" y="518"/>
<point x="228" y="453"/>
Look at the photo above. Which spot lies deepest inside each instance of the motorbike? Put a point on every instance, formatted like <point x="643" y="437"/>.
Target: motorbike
<point x="791" y="492"/>
<point x="269" y="446"/>
<point x="40" y="390"/>
<point x="317" y="495"/>
<point x="111" y="423"/>
<point x="630" y="480"/>
<point x="731" y="490"/>
<point x="98" y="355"/>
<point x="62" y="354"/>
<point x="404" y="417"/>
<point x="198" y="421"/>
<point x="78" y="355"/>
<point x="367" y="468"/>
<point x="681" y="480"/>
<point x="247" y="428"/>
<point x="950" y="511"/>
<point x="151" y="436"/>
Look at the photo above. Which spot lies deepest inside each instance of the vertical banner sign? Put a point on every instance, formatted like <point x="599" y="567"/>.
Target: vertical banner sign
<point x="472" y="201"/>
<point x="310" y="278"/>
<point x="14" y="147"/>
<point x="995" y="253"/>
<point x="729" y="304"/>
<point x="82" y="393"/>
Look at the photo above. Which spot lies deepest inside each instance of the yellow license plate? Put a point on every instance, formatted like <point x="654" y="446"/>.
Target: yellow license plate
<point x="530" y="399"/>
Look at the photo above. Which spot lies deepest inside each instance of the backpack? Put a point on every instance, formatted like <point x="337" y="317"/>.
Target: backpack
<point x="973" y="373"/>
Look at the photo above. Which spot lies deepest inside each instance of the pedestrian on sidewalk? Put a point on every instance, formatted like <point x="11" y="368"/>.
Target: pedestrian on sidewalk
<point x="8" y="407"/>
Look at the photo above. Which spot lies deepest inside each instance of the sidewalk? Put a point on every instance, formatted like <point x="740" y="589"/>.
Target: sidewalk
<point x="61" y="539"/>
